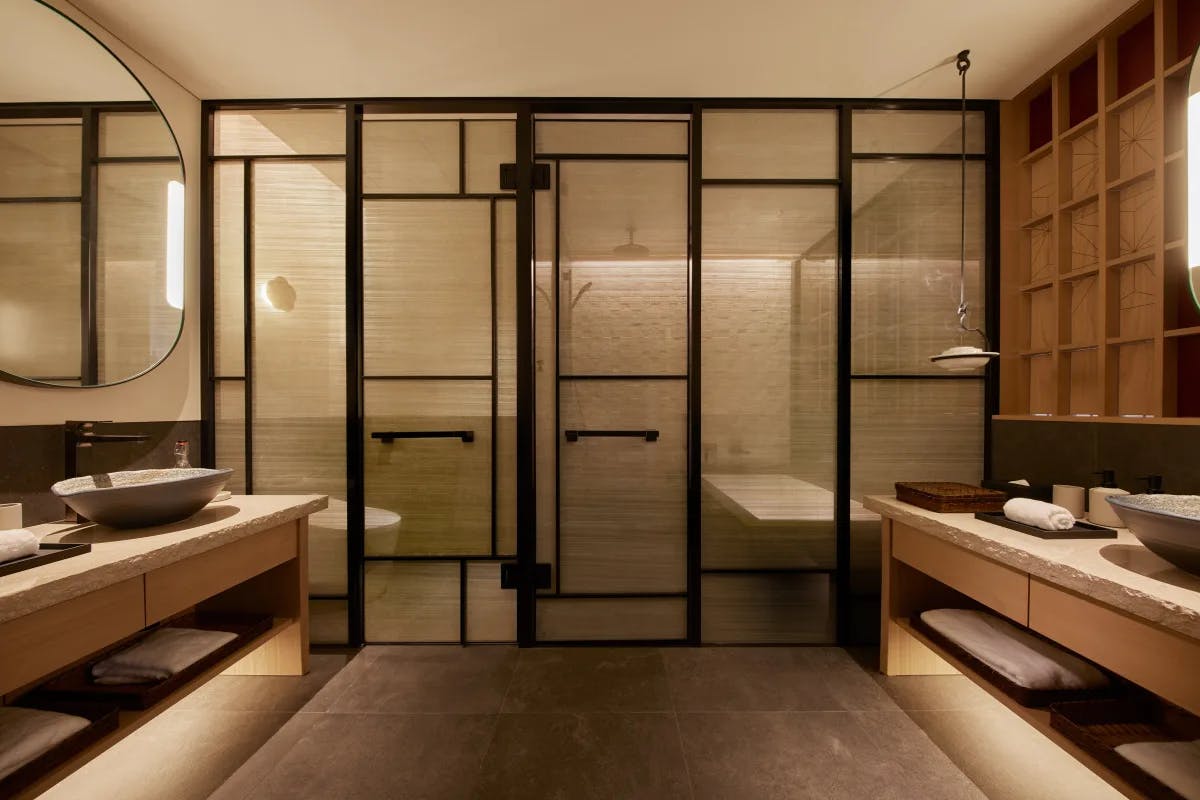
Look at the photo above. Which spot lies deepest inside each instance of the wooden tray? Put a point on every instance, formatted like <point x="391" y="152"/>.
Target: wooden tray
<point x="47" y="552"/>
<point x="949" y="497"/>
<point x="1082" y="530"/>
<point x="104" y="721"/>
<point x="1100" y="726"/>
<point x="1030" y="698"/>
<point x="77" y="684"/>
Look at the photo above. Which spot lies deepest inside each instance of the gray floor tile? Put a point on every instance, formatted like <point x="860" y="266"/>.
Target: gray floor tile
<point x="585" y="756"/>
<point x="266" y="693"/>
<point x="249" y="775"/>
<point x="389" y="680"/>
<point x="182" y="754"/>
<point x="377" y="756"/>
<point x="1007" y="758"/>
<point x="589" y="679"/>
<point x="839" y="755"/>
<point x="770" y="679"/>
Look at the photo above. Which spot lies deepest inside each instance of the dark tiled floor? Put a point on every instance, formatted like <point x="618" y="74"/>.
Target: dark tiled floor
<point x="579" y="723"/>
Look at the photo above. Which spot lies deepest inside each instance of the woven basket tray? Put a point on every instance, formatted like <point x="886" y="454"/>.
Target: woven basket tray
<point x="949" y="497"/>
<point x="1099" y="726"/>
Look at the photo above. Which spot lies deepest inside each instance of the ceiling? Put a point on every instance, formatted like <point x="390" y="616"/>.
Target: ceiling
<point x="615" y="48"/>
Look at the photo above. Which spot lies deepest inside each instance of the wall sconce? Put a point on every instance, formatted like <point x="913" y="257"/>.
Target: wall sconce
<point x="278" y="294"/>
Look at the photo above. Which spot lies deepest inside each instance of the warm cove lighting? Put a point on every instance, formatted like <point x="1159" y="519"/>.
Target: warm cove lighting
<point x="175" y="245"/>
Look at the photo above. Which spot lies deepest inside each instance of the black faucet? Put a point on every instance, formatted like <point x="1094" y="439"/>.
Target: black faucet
<point x="81" y="434"/>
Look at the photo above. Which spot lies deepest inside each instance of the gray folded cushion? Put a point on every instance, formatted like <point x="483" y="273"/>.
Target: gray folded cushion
<point x="26" y="733"/>
<point x="1018" y="655"/>
<point x="159" y="656"/>
<point x="1175" y="764"/>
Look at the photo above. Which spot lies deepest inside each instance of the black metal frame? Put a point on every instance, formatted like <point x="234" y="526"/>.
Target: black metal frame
<point x="525" y="110"/>
<point x="90" y="160"/>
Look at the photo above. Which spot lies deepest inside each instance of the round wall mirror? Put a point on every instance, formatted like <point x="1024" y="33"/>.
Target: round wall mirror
<point x="91" y="209"/>
<point x="1193" y="180"/>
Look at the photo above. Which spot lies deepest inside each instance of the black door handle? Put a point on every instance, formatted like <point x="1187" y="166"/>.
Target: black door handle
<point x="575" y="435"/>
<point x="387" y="437"/>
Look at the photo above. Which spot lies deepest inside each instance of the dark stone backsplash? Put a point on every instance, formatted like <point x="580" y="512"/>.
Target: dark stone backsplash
<point x="32" y="457"/>
<point x="1047" y="452"/>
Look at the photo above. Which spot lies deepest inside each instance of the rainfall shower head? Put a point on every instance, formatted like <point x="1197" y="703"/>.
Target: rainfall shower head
<point x="631" y="249"/>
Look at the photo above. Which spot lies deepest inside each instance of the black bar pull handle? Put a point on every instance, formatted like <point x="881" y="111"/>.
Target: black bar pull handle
<point x="575" y="435"/>
<point x="387" y="437"/>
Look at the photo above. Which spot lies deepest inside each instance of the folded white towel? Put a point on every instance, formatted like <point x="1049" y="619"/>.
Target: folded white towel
<point x="1046" y="516"/>
<point x="1176" y="764"/>
<point x="17" y="543"/>
<point x="1015" y="653"/>
<point x="26" y="733"/>
<point x="159" y="656"/>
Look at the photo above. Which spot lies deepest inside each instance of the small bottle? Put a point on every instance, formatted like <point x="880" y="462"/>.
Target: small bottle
<point x="1154" y="483"/>
<point x="181" y="455"/>
<point x="1100" y="512"/>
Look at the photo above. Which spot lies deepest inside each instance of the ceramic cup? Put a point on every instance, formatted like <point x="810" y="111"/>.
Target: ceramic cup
<point x="10" y="516"/>
<point x="1070" y="498"/>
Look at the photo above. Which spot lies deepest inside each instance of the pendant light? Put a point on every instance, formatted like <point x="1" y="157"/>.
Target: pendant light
<point x="964" y="358"/>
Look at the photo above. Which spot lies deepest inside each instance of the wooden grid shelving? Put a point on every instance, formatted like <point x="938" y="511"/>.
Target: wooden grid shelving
<point x="1097" y="320"/>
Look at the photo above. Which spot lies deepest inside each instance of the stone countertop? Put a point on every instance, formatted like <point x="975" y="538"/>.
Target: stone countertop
<point x="118" y="555"/>
<point x="1120" y="572"/>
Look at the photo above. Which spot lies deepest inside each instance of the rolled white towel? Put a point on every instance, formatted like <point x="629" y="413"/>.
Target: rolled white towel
<point x="1046" y="516"/>
<point x="1177" y="764"/>
<point x="26" y="733"/>
<point x="159" y="656"/>
<point x="17" y="543"/>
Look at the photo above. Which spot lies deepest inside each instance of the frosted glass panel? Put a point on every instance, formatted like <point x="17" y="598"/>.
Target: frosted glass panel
<point x="915" y="430"/>
<point x="415" y="602"/>
<point x="39" y="248"/>
<point x="136" y="326"/>
<point x="40" y="160"/>
<point x="569" y="619"/>
<point x="770" y="144"/>
<point x="545" y="375"/>
<point x="228" y="270"/>
<point x="327" y="556"/>
<point x="319" y="131"/>
<point x="777" y="609"/>
<point x="135" y="134"/>
<point x="915" y="132"/>
<point x="591" y="136"/>
<point x="623" y="268"/>
<point x="231" y="432"/>
<point x="623" y="512"/>
<point x="907" y="246"/>
<point x="410" y="156"/>
<point x="491" y="611"/>
<point x="506" y="378"/>
<point x="440" y="488"/>
<point x="328" y="621"/>
<point x="490" y="143"/>
<point x="427" y="287"/>
<point x="299" y="328"/>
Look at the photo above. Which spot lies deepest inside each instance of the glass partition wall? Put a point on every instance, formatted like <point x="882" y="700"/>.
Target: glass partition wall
<point x="641" y="359"/>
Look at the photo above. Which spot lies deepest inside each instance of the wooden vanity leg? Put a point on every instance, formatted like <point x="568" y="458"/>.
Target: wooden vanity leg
<point x="283" y="591"/>
<point x="899" y="652"/>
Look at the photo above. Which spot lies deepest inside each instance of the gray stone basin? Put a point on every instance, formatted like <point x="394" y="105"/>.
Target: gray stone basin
<point x="1168" y="524"/>
<point x="141" y="498"/>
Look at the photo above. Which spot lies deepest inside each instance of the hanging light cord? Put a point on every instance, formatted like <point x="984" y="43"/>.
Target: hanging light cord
<point x="964" y="63"/>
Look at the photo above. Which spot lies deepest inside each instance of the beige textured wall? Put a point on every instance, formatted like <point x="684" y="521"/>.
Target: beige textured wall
<point x="171" y="391"/>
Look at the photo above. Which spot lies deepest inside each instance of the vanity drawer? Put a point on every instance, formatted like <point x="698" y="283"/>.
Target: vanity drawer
<point x="1003" y="589"/>
<point x="180" y="586"/>
<point x="1152" y="657"/>
<point x="37" y="644"/>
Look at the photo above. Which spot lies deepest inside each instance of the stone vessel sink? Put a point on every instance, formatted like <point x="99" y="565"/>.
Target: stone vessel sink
<point x="1168" y="524"/>
<point x="141" y="498"/>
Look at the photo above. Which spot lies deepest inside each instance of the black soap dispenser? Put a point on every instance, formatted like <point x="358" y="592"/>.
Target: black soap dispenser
<point x="1099" y="511"/>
